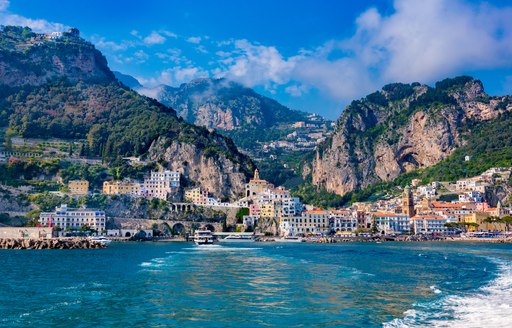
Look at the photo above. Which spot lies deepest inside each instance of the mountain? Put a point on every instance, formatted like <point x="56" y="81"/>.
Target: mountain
<point x="33" y="59"/>
<point x="401" y="128"/>
<point x="223" y="105"/>
<point x="59" y="85"/>
<point x="127" y="80"/>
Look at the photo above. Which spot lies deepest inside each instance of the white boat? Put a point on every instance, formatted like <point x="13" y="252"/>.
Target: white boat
<point x="203" y="237"/>
<point x="101" y="240"/>
<point x="235" y="238"/>
<point x="290" y="239"/>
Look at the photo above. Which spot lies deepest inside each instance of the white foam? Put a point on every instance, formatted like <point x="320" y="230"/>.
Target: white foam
<point x="435" y="290"/>
<point x="489" y="307"/>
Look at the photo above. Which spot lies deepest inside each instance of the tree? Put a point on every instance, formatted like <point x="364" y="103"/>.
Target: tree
<point x="240" y="214"/>
<point x="374" y="228"/>
<point x="70" y="152"/>
<point x="507" y="220"/>
<point x="492" y="220"/>
<point x="8" y="141"/>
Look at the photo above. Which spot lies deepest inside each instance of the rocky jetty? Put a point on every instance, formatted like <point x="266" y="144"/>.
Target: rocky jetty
<point x="75" y="243"/>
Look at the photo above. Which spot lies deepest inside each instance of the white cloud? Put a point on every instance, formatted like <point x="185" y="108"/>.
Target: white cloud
<point x="4" y="4"/>
<point x="154" y="38"/>
<point x="194" y="39"/>
<point x="174" y="76"/>
<point x="37" y="25"/>
<point x="104" y="44"/>
<point x="296" y="90"/>
<point x="258" y="65"/>
<point x="169" y="34"/>
<point x="420" y="41"/>
<point x="141" y="56"/>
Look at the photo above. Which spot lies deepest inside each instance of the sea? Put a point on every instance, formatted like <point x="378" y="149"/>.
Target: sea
<point x="173" y="284"/>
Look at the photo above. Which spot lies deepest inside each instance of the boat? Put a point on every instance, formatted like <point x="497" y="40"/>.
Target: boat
<point x="203" y="237"/>
<point x="290" y="239"/>
<point x="238" y="238"/>
<point x="101" y="240"/>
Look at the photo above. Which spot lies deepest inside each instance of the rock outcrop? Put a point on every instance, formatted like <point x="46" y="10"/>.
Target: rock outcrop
<point x="401" y="128"/>
<point x="30" y="59"/>
<point x="223" y="104"/>
<point x="223" y="173"/>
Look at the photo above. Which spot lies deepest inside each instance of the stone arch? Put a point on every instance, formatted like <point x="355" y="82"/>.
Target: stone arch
<point x="127" y="234"/>
<point x="178" y="228"/>
<point x="210" y="227"/>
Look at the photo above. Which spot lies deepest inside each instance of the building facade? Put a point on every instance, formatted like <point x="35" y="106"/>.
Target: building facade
<point x="78" y="187"/>
<point x="124" y="187"/>
<point x="69" y="218"/>
<point x="160" y="183"/>
<point x="428" y="224"/>
<point x="391" y="223"/>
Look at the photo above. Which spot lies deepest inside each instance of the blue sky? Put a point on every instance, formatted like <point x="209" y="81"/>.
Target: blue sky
<point x="315" y="56"/>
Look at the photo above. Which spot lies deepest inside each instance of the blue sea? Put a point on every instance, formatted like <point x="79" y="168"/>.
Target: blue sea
<point x="259" y="285"/>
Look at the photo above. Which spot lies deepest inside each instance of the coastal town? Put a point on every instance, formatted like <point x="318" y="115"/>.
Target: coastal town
<point x="469" y="207"/>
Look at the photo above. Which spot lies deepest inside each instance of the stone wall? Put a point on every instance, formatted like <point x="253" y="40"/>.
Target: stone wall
<point x="25" y="232"/>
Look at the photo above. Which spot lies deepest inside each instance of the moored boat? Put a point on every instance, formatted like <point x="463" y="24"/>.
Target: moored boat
<point x="101" y="240"/>
<point x="203" y="237"/>
<point x="238" y="238"/>
<point x="290" y="239"/>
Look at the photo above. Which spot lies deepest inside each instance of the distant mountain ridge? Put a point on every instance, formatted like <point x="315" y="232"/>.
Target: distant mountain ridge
<point x="127" y="80"/>
<point x="223" y="105"/>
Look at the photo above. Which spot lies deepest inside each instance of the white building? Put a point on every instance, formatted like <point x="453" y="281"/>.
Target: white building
<point x="160" y="184"/>
<point x="390" y="223"/>
<point x="428" y="224"/>
<point x="313" y="221"/>
<point x="427" y="191"/>
<point x="471" y="197"/>
<point x="251" y="220"/>
<point x="65" y="218"/>
<point x="342" y="220"/>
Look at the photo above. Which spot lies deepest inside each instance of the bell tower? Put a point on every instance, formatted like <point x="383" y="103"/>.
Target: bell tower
<point x="408" y="202"/>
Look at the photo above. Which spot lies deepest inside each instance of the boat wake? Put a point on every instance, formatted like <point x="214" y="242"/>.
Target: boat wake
<point x="490" y="306"/>
<point x="220" y="248"/>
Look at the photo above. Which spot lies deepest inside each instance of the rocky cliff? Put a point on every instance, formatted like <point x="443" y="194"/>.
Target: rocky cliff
<point x="214" y="168"/>
<point x="401" y="128"/>
<point x="223" y="104"/>
<point x="63" y="88"/>
<point x="27" y="58"/>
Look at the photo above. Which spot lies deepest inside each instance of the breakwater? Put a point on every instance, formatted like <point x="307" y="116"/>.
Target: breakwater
<point x="74" y="243"/>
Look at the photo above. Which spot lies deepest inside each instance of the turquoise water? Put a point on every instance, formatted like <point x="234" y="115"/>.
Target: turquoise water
<point x="259" y="285"/>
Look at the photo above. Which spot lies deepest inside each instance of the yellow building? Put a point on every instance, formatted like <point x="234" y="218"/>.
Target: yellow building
<point x="125" y="187"/>
<point x="479" y="218"/>
<point x="78" y="187"/>
<point x="268" y="210"/>
<point x="197" y="196"/>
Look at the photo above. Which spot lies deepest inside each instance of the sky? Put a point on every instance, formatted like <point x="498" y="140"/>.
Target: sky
<point x="316" y="56"/>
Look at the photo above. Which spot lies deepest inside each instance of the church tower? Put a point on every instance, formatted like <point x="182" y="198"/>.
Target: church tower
<point x="256" y="174"/>
<point x="408" y="202"/>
